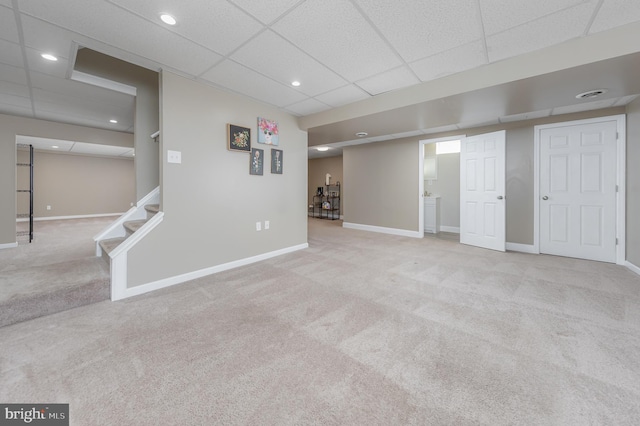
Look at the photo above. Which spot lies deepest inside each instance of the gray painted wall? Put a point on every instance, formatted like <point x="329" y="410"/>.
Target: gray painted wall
<point x="210" y="202"/>
<point x="76" y="184"/>
<point x="633" y="182"/>
<point x="11" y="126"/>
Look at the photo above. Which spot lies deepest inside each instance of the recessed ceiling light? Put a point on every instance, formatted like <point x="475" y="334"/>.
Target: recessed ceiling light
<point x="591" y="93"/>
<point x="323" y="148"/>
<point x="113" y="121"/>
<point x="168" y="19"/>
<point x="55" y="146"/>
<point x="49" y="57"/>
<point x="361" y="134"/>
<point x="295" y="83"/>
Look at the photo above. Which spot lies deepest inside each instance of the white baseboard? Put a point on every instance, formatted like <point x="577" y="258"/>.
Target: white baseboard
<point x="632" y="267"/>
<point x="452" y="229"/>
<point x="81" y="216"/>
<point x="382" y="230"/>
<point x="8" y="245"/>
<point x="523" y="248"/>
<point x="178" y="279"/>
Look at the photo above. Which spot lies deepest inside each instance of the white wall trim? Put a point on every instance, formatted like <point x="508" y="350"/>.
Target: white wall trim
<point x="522" y="248"/>
<point x="452" y="229"/>
<point x="632" y="267"/>
<point x="80" y="216"/>
<point x="178" y="279"/>
<point x="8" y="245"/>
<point x="383" y="230"/>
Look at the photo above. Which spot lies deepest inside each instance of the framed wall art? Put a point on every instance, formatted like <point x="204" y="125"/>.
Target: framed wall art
<point x="276" y="161"/>
<point x="267" y="131"/>
<point x="256" y="161"/>
<point x="238" y="138"/>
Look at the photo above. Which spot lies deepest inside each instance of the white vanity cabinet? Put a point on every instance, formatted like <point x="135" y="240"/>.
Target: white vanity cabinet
<point x="432" y="215"/>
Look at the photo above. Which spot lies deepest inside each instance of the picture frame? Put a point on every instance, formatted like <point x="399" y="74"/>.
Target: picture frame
<point x="268" y="132"/>
<point x="256" y="162"/>
<point x="277" y="161"/>
<point x="238" y="138"/>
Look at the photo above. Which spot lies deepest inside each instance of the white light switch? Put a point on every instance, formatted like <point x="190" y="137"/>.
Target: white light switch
<point x="266" y="224"/>
<point x="258" y="226"/>
<point x="174" y="157"/>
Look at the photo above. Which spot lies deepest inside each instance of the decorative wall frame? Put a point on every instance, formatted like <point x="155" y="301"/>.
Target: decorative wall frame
<point x="256" y="161"/>
<point x="267" y="131"/>
<point x="238" y="138"/>
<point x="276" y="161"/>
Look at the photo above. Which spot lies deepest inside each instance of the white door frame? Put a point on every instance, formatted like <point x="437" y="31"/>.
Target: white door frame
<point x="620" y="179"/>
<point x="421" y="145"/>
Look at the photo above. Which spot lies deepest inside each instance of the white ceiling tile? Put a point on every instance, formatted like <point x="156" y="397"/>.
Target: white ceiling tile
<point x="10" y="54"/>
<point x="614" y="13"/>
<point x="418" y="29"/>
<point x="342" y="96"/>
<point x="544" y="32"/>
<point x="306" y="107"/>
<point x="271" y="55"/>
<point x="525" y="116"/>
<point x="45" y="143"/>
<point x="100" y="150"/>
<point x="266" y="11"/>
<point x="439" y="129"/>
<point x="588" y="106"/>
<point x="11" y="99"/>
<point x="6" y="3"/>
<point x="328" y="30"/>
<point x="500" y="15"/>
<point x="243" y="80"/>
<point x="12" y="74"/>
<point x="388" y="80"/>
<point x="8" y="28"/>
<point x="230" y="29"/>
<point x="481" y="123"/>
<point x="14" y="89"/>
<point x="452" y="61"/>
<point x="625" y="100"/>
<point x="38" y="64"/>
<point x="95" y="18"/>
<point x="407" y="134"/>
<point x="44" y="37"/>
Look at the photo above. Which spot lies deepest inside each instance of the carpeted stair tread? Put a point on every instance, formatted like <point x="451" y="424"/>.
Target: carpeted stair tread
<point x="111" y="243"/>
<point x="152" y="208"/>
<point x="133" y="225"/>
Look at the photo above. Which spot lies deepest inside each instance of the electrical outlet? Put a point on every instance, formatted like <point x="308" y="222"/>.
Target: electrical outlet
<point x="48" y="207"/>
<point x="258" y="226"/>
<point x="266" y="224"/>
<point x="174" y="157"/>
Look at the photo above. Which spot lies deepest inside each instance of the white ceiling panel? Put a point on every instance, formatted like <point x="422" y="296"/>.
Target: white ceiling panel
<point x="12" y="74"/>
<point x="80" y="119"/>
<point x="625" y="100"/>
<point x="452" y="61"/>
<point x="287" y="65"/>
<point x="553" y="29"/>
<point x="588" y="106"/>
<point x="500" y="15"/>
<point x="331" y="35"/>
<point x="136" y="35"/>
<point x="439" y="129"/>
<point x="8" y="88"/>
<point x="306" y="107"/>
<point x="482" y="123"/>
<point x="388" y="80"/>
<point x="20" y="101"/>
<point x="12" y="107"/>
<point x="525" y="116"/>
<point x="40" y="65"/>
<point x="45" y="143"/>
<point x="614" y="13"/>
<point x="76" y="89"/>
<point x="342" y="96"/>
<point x="232" y="26"/>
<point x="8" y="27"/>
<point x="11" y="54"/>
<point x="266" y="11"/>
<point x="101" y="150"/>
<point x="243" y="80"/>
<point x="430" y="22"/>
<point x="45" y="37"/>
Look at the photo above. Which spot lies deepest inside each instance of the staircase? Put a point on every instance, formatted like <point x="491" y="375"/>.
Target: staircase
<point x="130" y="226"/>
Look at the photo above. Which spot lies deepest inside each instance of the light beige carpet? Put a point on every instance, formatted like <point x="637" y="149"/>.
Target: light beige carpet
<point x="359" y="329"/>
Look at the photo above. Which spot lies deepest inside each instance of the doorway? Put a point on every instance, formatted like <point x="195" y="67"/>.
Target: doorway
<point x="580" y="187"/>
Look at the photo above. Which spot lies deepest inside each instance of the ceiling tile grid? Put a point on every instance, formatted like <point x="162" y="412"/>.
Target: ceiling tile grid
<point x="614" y="13"/>
<point x="452" y="61"/>
<point x="343" y="95"/>
<point x="389" y="80"/>
<point x="266" y="11"/>
<point x="11" y="54"/>
<point x="306" y="107"/>
<point x="8" y="27"/>
<point x="12" y="74"/>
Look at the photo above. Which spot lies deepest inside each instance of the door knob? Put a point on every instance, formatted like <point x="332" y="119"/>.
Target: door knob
<point x="545" y="198"/>
<point x="500" y="197"/>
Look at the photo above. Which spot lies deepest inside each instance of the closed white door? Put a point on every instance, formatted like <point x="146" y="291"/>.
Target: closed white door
<point x="482" y="189"/>
<point x="577" y="206"/>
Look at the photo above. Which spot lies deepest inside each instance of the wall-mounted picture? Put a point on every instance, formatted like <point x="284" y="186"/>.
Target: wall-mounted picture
<point x="238" y="138"/>
<point x="257" y="161"/>
<point x="267" y="131"/>
<point x="276" y="161"/>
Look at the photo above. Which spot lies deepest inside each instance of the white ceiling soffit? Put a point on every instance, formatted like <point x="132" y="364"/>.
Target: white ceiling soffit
<point x="342" y="51"/>
<point x="72" y="147"/>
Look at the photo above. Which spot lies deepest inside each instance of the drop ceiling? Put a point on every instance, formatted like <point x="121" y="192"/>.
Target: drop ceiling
<point x="344" y="52"/>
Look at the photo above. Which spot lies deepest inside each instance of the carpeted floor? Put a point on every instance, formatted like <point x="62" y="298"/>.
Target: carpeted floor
<point x="359" y="329"/>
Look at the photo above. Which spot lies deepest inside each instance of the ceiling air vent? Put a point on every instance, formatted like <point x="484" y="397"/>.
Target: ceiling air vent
<point x="591" y="94"/>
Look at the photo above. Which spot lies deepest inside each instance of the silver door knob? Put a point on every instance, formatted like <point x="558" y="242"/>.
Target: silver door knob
<point x="500" y="197"/>
<point x="545" y="198"/>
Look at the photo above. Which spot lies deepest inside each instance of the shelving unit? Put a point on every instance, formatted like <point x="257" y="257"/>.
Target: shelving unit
<point x="29" y="191"/>
<point x="327" y="204"/>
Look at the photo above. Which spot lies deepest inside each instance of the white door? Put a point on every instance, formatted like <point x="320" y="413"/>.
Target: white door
<point x="482" y="189"/>
<point x="577" y="206"/>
